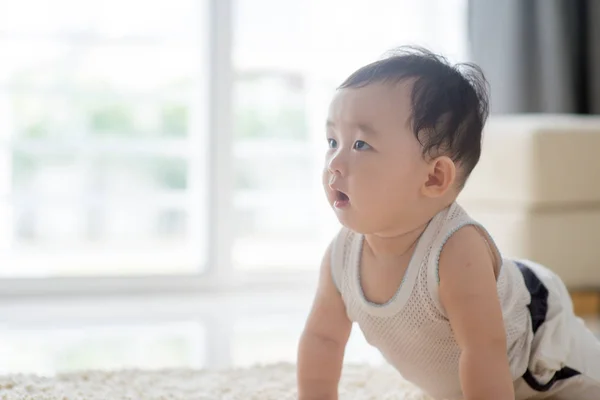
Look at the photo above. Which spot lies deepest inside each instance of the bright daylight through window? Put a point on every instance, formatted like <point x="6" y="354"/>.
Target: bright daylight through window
<point x="106" y="141"/>
<point x="102" y="161"/>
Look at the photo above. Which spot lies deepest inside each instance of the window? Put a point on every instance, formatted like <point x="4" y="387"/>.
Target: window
<point x="105" y="157"/>
<point x="102" y="168"/>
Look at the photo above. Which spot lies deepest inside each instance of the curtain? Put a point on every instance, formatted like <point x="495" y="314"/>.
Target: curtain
<point x="540" y="56"/>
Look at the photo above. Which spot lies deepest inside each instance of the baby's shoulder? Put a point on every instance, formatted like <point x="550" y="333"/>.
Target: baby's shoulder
<point x="465" y="242"/>
<point x="460" y="234"/>
<point x="465" y="259"/>
<point x="468" y="245"/>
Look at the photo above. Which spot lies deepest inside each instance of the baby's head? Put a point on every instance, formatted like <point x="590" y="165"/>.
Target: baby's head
<point x="404" y="134"/>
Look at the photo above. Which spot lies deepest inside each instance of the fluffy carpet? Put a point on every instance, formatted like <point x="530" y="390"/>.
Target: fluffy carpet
<point x="257" y="383"/>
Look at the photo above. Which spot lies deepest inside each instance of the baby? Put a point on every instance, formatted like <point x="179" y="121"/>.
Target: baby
<point x="424" y="282"/>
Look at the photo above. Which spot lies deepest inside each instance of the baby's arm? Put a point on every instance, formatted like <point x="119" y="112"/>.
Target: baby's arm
<point x="322" y="345"/>
<point x="468" y="294"/>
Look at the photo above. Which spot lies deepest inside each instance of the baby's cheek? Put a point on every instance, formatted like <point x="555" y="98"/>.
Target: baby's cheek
<point x="391" y="193"/>
<point x="376" y="193"/>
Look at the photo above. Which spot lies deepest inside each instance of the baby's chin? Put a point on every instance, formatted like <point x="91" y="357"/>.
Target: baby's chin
<point x="362" y="224"/>
<point x="351" y="221"/>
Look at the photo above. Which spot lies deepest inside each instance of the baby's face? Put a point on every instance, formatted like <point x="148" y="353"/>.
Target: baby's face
<point x="374" y="169"/>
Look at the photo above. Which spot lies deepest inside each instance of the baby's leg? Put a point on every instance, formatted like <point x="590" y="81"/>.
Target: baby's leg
<point x="574" y="341"/>
<point x="584" y="358"/>
<point x="579" y="387"/>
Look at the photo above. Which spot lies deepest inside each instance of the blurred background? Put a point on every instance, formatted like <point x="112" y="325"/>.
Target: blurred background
<point x="160" y="196"/>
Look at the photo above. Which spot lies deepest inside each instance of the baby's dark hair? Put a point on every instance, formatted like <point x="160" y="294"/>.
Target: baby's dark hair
<point x="449" y="102"/>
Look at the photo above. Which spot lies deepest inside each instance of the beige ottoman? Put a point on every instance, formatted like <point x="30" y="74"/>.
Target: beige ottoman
<point x="537" y="190"/>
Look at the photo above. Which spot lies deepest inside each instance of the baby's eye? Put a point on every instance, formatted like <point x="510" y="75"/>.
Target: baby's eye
<point x="332" y="143"/>
<point x="361" y="145"/>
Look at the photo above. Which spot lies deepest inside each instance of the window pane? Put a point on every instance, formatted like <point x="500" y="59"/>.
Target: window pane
<point x="287" y="69"/>
<point x="101" y="170"/>
<point x="104" y="220"/>
<point x="270" y="106"/>
<point x="109" y="91"/>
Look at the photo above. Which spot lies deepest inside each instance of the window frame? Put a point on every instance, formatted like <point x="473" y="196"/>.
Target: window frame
<point x="218" y="275"/>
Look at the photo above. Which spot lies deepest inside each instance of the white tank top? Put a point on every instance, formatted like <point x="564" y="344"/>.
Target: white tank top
<point x="412" y="330"/>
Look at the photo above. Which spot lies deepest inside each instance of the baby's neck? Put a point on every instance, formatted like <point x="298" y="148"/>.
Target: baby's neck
<point x="396" y="244"/>
<point x="386" y="247"/>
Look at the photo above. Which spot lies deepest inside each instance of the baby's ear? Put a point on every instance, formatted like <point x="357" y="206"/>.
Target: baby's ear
<point x="441" y="177"/>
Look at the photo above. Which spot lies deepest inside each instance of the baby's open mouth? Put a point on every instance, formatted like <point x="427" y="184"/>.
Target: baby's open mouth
<point x="341" y="199"/>
<point x="341" y="196"/>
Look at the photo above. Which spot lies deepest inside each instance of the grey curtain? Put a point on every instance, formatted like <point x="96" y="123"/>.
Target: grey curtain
<point x="540" y="56"/>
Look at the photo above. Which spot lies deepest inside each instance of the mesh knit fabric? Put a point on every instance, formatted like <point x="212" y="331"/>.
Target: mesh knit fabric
<point x="411" y="330"/>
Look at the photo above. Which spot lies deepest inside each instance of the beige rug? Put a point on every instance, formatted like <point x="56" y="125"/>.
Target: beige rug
<point x="258" y="383"/>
